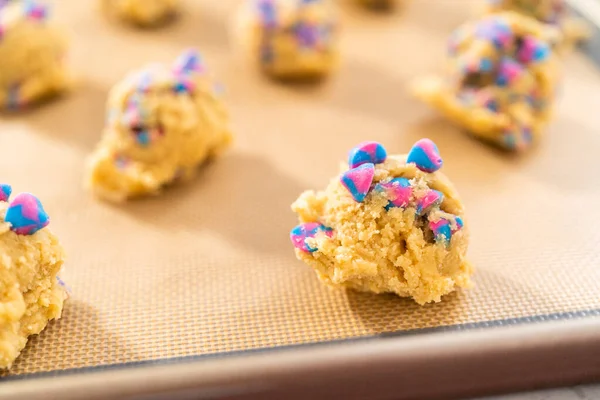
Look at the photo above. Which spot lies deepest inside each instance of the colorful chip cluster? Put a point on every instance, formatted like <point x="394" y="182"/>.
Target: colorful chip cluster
<point x="29" y="10"/>
<point x="290" y="38"/>
<point x="185" y="67"/>
<point x="301" y="234"/>
<point x="36" y="11"/>
<point x="386" y="224"/>
<point x="358" y="180"/>
<point x="502" y="80"/>
<point x="399" y="192"/>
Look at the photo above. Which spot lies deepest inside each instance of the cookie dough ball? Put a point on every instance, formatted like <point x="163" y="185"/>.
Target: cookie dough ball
<point x="162" y="123"/>
<point x="554" y="12"/>
<point x="32" y="51"/>
<point x="30" y="259"/>
<point x="289" y="39"/>
<point x="386" y="225"/>
<point x="141" y="12"/>
<point x="501" y="81"/>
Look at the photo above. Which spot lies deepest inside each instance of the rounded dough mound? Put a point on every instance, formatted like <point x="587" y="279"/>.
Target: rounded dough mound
<point x="376" y="248"/>
<point x="289" y="39"/>
<point x="162" y="123"/>
<point x="141" y="12"/>
<point x="31" y="293"/>
<point x="32" y="51"/>
<point x="501" y="81"/>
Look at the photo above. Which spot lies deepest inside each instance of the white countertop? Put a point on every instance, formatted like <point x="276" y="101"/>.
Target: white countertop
<point x="588" y="392"/>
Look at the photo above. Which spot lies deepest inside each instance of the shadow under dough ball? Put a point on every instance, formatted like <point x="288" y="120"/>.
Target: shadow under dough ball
<point x="144" y="13"/>
<point x="380" y="4"/>
<point x="386" y="224"/>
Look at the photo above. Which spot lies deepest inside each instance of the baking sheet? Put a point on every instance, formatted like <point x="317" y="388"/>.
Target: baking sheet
<point x="208" y="268"/>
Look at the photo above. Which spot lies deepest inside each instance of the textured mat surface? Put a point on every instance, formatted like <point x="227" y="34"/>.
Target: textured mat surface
<point x="208" y="268"/>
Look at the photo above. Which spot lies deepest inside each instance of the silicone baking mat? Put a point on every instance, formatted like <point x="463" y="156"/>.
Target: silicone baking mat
<point x="207" y="268"/>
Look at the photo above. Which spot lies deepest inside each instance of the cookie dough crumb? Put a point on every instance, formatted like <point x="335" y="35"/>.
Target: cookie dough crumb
<point x="145" y="13"/>
<point x="162" y="123"/>
<point x="387" y="224"/>
<point x="553" y="12"/>
<point x="289" y="39"/>
<point x="32" y="53"/>
<point x="501" y="81"/>
<point x="30" y="259"/>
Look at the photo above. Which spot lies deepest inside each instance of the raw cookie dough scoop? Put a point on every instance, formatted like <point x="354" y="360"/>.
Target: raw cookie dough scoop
<point x="289" y="39"/>
<point x="162" y="123"/>
<point x="145" y="13"/>
<point x="31" y="294"/>
<point x="501" y="80"/>
<point x="32" y="52"/>
<point x="386" y="224"/>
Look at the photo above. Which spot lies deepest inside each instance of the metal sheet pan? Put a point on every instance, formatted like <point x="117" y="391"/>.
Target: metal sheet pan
<point x="202" y="281"/>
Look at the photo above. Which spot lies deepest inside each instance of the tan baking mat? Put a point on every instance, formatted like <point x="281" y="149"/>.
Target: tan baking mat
<point x="208" y="268"/>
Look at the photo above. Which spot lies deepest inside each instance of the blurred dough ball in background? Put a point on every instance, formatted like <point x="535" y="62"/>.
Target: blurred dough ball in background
<point x="289" y="39"/>
<point x="32" y="54"/>
<point x="501" y="81"/>
<point x="146" y="13"/>
<point x="163" y="122"/>
<point x="548" y="11"/>
<point x="553" y="12"/>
